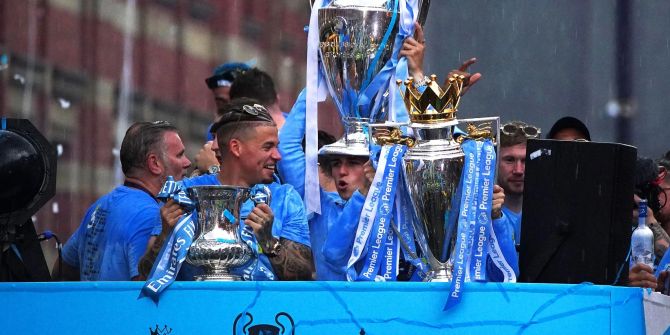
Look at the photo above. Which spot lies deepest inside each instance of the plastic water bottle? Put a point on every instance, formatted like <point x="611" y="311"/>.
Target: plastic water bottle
<point x="642" y="241"/>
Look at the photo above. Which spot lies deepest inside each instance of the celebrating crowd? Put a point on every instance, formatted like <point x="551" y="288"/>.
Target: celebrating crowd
<point x="252" y="142"/>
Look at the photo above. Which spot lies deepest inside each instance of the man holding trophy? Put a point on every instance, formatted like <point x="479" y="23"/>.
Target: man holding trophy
<point x="276" y="234"/>
<point x="445" y="185"/>
<point x="350" y="169"/>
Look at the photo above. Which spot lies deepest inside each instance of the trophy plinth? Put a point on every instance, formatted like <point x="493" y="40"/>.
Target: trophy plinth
<point x="355" y="141"/>
<point x="218" y="246"/>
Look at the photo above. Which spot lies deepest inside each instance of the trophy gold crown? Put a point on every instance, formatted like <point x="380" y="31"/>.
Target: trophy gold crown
<point x="434" y="104"/>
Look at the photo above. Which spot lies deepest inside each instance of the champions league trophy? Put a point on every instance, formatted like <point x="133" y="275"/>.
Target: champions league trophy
<point x="433" y="167"/>
<point x="353" y="50"/>
<point x="356" y="40"/>
<point x="218" y="245"/>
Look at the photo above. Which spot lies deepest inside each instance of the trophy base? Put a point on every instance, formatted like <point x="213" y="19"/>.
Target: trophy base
<point x="219" y="275"/>
<point x="341" y="148"/>
<point x="442" y="275"/>
<point x="355" y="141"/>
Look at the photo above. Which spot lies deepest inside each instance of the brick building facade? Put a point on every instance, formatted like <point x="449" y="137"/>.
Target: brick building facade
<point x="65" y="74"/>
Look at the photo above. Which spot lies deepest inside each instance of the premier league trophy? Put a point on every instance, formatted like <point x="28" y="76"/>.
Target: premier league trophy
<point x="433" y="167"/>
<point x="218" y="246"/>
<point x="354" y="46"/>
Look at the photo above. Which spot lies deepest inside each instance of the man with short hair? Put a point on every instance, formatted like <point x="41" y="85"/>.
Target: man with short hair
<point x="348" y="173"/>
<point x="246" y="137"/>
<point x="220" y="82"/>
<point x="258" y="85"/>
<point x="114" y="232"/>
<point x="512" y="169"/>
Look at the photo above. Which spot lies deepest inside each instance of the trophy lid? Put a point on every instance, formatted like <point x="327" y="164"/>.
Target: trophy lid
<point x="360" y="3"/>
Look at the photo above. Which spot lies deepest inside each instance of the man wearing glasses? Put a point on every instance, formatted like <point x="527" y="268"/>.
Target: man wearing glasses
<point x="246" y="138"/>
<point x="114" y="233"/>
<point x="512" y="168"/>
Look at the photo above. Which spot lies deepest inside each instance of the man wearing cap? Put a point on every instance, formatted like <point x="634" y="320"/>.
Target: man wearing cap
<point x="246" y="137"/>
<point x="114" y="233"/>
<point x="568" y="129"/>
<point x="222" y="79"/>
<point x="220" y="82"/>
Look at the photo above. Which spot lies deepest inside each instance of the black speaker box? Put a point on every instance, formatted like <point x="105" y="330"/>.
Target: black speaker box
<point x="577" y="212"/>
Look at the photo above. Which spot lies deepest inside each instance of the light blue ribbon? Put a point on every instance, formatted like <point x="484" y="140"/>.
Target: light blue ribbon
<point x="405" y="220"/>
<point x="394" y="68"/>
<point x="174" y="251"/>
<point x="389" y="270"/>
<point x="384" y="212"/>
<point x="315" y="88"/>
<point x="485" y="171"/>
<point x="380" y="80"/>
<point x="462" y="248"/>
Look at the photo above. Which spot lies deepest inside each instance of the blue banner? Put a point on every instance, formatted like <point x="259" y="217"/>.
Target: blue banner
<point x="174" y="251"/>
<point x="461" y="254"/>
<point x="480" y="249"/>
<point x="405" y="221"/>
<point x="391" y="164"/>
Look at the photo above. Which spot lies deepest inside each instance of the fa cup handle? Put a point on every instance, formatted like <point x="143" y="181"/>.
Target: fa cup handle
<point x="260" y="194"/>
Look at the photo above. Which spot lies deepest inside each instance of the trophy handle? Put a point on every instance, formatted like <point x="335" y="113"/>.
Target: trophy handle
<point x="494" y="122"/>
<point x="423" y="12"/>
<point x="260" y="194"/>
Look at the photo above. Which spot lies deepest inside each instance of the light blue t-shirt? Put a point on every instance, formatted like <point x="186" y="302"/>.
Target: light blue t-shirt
<point x="289" y="223"/>
<point x="113" y="235"/>
<point x="292" y="170"/>
<point x="514" y="219"/>
<point x="663" y="264"/>
<point x="507" y="230"/>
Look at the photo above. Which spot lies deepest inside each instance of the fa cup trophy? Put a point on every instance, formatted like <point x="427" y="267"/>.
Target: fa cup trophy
<point x="218" y="245"/>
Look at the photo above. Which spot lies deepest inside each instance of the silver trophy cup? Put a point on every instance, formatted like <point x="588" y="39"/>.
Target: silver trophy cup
<point x="433" y="170"/>
<point x="218" y="246"/>
<point x="434" y="165"/>
<point x="350" y="36"/>
<point x="352" y="50"/>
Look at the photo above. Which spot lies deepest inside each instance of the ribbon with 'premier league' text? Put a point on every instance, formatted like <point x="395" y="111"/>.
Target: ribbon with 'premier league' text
<point x="374" y="223"/>
<point x="472" y="213"/>
<point x="173" y="253"/>
<point x="486" y="161"/>
<point x="462" y="248"/>
<point x="404" y="220"/>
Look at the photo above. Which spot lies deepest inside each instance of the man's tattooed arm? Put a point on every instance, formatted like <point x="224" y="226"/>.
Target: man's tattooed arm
<point x="293" y="261"/>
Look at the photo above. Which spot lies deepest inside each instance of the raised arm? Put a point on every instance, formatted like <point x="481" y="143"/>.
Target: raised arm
<point x="292" y="165"/>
